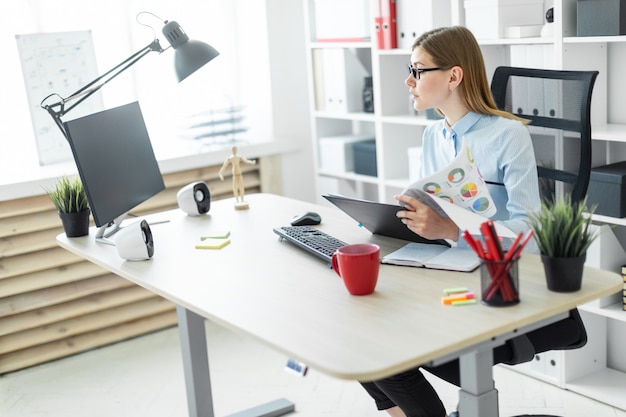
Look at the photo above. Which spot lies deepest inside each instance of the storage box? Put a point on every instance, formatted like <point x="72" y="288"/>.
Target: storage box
<point x="601" y="17"/>
<point x="341" y="20"/>
<point x="607" y="189"/>
<point x="488" y="19"/>
<point x="365" y="158"/>
<point x="414" y="17"/>
<point x="336" y="152"/>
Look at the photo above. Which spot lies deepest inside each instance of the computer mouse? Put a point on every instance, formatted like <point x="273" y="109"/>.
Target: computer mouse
<point x="306" y="219"/>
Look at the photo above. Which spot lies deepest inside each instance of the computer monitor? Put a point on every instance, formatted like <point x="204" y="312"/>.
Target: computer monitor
<point x="116" y="163"/>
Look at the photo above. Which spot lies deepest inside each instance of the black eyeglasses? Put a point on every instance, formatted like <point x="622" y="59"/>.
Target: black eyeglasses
<point x="417" y="72"/>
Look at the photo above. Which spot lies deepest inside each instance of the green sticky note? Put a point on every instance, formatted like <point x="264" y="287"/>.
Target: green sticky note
<point x="217" y="234"/>
<point x="464" y="302"/>
<point x="457" y="290"/>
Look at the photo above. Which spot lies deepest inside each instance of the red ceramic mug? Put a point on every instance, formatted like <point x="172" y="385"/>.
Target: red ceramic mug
<point x="358" y="266"/>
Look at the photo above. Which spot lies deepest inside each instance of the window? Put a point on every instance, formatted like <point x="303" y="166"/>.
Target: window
<point x="236" y="28"/>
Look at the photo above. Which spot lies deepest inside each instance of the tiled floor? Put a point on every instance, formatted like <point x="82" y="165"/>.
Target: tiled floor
<point x="143" y="377"/>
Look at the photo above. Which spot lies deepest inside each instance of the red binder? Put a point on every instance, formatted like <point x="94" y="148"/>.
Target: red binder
<point x="389" y="24"/>
<point x="378" y="26"/>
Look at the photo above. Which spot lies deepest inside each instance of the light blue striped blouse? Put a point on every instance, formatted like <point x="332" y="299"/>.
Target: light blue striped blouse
<point x="503" y="151"/>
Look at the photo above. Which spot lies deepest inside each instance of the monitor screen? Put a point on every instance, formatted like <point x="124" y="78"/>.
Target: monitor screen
<point x="115" y="161"/>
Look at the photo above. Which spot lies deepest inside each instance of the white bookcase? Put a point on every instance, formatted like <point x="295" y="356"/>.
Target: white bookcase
<point x="598" y="369"/>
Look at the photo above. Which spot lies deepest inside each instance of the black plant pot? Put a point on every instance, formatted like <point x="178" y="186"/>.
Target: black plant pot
<point x="564" y="274"/>
<point x="75" y="224"/>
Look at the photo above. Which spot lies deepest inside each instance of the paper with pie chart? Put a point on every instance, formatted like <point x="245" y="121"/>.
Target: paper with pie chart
<point x="461" y="184"/>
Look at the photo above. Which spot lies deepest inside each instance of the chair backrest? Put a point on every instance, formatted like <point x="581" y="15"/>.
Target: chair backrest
<point x="558" y="105"/>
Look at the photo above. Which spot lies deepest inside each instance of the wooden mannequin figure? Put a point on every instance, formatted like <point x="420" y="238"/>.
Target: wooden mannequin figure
<point x="238" y="187"/>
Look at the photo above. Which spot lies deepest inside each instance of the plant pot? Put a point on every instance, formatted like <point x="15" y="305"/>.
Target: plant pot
<point x="76" y="224"/>
<point x="564" y="274"/>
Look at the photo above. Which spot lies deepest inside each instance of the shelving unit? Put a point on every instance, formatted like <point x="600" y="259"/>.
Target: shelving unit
<point x="596" y="370"/>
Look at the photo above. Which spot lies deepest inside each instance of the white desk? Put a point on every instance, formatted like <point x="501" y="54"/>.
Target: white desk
<point x="290" y="300"/>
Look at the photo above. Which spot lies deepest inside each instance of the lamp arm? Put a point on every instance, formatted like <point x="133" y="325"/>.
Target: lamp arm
<point x="58" y="109"/>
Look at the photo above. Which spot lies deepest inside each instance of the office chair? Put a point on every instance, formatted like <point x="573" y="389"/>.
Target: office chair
<point x="558" y="105"/>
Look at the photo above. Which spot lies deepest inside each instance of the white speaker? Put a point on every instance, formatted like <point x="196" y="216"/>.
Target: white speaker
<point x="195" y="198"/>
<point x="134" y="242"/>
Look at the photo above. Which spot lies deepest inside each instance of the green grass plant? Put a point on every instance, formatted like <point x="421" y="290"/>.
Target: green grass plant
<point x="563" y="229"/>
<point x="68" y="195"/>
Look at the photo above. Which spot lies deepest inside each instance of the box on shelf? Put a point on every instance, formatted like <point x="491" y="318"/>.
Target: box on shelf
<point x="365" y="158"/>
<point x="488" y="19"/>
<point x="414" y="17"/>
<point x="341" y="21"/>
<point x="607" y="189"/>
<point x="336" y="152"/>
<point x="523" y="31"/>
<point x="600" y="17"/>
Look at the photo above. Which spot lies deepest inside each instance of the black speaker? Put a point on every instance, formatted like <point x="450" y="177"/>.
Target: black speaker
<point x="134" y="242"/>
<point x="195" y="198"/>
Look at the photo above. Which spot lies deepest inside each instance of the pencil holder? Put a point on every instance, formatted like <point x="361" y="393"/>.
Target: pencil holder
<point x="499" y="282"/>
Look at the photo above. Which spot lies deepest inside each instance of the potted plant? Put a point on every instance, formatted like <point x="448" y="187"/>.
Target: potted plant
<point x="70" y="200"/>
<point x="563" y="232"/>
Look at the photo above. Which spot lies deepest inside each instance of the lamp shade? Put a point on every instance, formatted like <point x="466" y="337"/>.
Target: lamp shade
<point x="189" y="55"/>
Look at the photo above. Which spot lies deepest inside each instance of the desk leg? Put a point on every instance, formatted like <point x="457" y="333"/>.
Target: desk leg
<point x="195" y="362"/>
<point x="478" y="396"/>
<point x="197" y="378"/>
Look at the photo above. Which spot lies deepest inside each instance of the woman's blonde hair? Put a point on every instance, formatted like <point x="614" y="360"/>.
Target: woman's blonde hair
<point x="457" y="46"/>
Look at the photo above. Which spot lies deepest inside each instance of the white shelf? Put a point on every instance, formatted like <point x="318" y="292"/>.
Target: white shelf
<point x="614" y="311"/>
<point x="609" y="220"/>
<point x="350" y="176"/>
<point x="327" y="45"/>
<point x="609" y="132"/>
<point x="516" y="41"/>
<point x="364" y="117"/>
<point x="398" y="182"/>
<point x="407" y="120"/>
<point x="394" y="51"/>
<point x="594" y="39"/>
<point x="606" y="385"/>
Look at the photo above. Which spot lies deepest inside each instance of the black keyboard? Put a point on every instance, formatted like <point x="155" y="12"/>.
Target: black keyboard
<point x="310" y="239"/>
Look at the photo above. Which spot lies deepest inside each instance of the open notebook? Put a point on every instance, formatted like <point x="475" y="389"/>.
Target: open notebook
<point x="434" y="257"/>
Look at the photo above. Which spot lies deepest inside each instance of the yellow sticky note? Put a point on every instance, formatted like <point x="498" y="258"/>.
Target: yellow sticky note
<point x="208" y="243"/>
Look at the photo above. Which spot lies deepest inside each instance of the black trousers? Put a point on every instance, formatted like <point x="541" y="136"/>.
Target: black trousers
<point x="411" y="391"/>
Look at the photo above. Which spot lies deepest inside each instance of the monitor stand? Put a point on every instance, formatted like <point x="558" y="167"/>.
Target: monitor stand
<point x="105" y="232"/>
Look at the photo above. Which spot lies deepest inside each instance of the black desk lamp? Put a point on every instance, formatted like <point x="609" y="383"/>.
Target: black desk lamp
<point x="189" y="55"/>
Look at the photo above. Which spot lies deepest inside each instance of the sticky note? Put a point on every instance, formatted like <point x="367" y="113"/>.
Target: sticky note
<point x="457" y="290"/>
<point x="209" y="243"/>
<point x="217" y="234"/>
<point x="457" y="297"/>
<point x="464" y="302"/>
